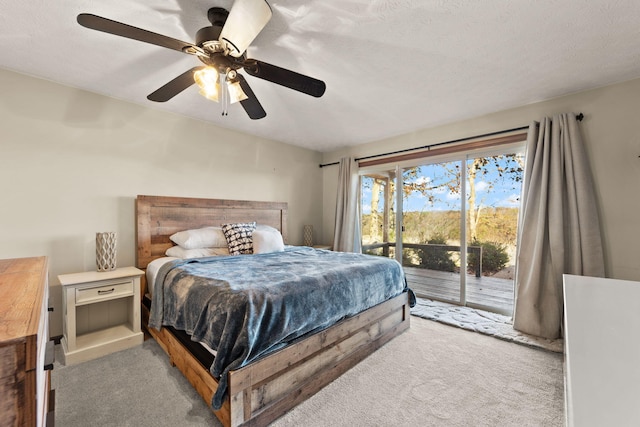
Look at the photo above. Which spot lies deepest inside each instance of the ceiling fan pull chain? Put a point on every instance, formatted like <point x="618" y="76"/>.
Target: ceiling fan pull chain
<point x="224" y="94"/>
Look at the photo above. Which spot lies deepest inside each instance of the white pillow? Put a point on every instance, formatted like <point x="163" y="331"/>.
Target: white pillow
<point x="180" y="252"/>
<point x="208" y="237"/>
<point x="267" y="239"/>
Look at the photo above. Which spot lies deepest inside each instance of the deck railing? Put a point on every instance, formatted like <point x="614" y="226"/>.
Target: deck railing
<point x="427" y="247"/>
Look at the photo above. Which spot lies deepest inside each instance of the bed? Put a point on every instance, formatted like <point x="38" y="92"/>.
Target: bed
<point x="267" y="386"/>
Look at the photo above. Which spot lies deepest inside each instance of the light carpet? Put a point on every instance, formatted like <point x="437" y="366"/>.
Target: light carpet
<point x="431" y="375"/>
<point x="484" y="322"/>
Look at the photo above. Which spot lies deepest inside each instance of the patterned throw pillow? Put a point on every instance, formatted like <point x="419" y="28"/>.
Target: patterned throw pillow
<point x="239" y="237"/>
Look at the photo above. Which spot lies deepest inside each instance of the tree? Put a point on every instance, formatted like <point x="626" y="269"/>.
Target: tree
<point x="436" y="185"/>
<point x="374" y="227"/>
<point x="377" y="185"/>
<point x="506" y="167"/>
<point x="509" y="166"/>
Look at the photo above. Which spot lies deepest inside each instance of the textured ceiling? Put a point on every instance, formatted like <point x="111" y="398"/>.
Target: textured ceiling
<point x="391" y="67"/>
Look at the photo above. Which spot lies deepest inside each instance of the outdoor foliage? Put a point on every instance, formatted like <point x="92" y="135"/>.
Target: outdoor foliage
<point x="434" y="258"/>
<point x="494" y="257"/>
<point x="432" y="198"/>
<point x="498" y="225"/>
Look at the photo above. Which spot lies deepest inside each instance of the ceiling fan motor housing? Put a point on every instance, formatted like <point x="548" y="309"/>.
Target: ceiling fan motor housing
<point x="208" y="34"/>
<point x="217" y="16"/>
<point x="208" y="39"/>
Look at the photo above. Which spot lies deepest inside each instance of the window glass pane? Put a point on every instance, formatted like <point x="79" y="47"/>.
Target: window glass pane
<point x="431" y="236"/>
<point x="493" y="202"/>
<point x="377" y="227"/>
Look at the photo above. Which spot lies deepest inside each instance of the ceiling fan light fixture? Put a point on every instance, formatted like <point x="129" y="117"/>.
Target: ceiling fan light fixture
<point x="236" y="93"/>
<point x="208" y="81"/>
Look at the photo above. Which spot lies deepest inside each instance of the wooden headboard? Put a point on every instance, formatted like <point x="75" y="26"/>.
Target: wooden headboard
<point x="158" y="217"/>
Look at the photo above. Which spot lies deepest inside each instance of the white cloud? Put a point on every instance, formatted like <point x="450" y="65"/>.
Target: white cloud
<point x="453" y="196"/>
<point x="482" y="186"/>
<point x="440" y="190"/>
<point x="510" y="201"/>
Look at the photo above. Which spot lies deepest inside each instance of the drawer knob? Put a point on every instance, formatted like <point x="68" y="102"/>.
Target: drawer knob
<point x="105" y="291"/>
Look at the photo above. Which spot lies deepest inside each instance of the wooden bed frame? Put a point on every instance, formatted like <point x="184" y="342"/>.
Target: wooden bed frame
<point x="269" y="387"/>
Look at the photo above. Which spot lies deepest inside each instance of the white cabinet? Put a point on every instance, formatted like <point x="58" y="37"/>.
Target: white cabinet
<point x="101" y="313"/>
<point x="602" y="351"/>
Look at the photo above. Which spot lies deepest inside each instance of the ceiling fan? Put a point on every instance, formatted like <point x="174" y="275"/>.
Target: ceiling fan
<point x="221" y="47"/>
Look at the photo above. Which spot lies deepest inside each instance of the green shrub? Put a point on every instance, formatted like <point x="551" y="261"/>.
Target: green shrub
<point x="494" y="257"/>
<point x="435" y="258"/>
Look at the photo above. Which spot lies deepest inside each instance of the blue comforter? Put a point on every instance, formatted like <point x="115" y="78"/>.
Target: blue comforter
<point x="247" y="306"/>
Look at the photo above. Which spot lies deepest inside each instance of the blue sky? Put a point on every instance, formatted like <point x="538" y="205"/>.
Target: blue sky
<point x="505" y="192"/>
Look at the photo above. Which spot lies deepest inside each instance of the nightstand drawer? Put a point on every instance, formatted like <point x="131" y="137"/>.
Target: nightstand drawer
<point x="106" y="292"/>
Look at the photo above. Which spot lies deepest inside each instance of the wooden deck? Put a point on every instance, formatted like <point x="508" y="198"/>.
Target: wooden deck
<point x="488" y="293"/>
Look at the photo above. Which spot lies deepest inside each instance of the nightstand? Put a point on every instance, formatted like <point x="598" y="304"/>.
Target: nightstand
<point x="101" y="313"/>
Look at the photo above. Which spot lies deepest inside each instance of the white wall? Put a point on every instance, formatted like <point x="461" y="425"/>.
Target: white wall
<point x="612" y="137"/>
<point x="73" y="162"/>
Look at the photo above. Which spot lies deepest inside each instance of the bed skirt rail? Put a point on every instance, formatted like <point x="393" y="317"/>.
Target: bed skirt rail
<point x="267" y="388"/>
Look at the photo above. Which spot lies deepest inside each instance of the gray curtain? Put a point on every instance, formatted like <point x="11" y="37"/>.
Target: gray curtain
<point x="346" y="237"/>
<point x="559" y="228"/>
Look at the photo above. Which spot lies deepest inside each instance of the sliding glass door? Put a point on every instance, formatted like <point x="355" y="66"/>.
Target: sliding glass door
<point x="493" y="188"/>
<point x="452" y="225"/>
<point x="431" y="218"/>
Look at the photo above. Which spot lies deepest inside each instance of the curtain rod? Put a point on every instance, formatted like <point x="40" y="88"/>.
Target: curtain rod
<point x="579" y="118"/>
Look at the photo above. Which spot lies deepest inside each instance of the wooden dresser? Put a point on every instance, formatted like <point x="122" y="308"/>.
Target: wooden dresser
<point x="25" y="395"/>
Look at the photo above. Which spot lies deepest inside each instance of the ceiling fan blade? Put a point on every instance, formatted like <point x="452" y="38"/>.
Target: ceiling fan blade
<point x="99" y="23"/>
<point x="174" y="87"/>
<point x="245" y="21"/>
<point x="284" y="77"/>
<point x="251" y="105"/>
